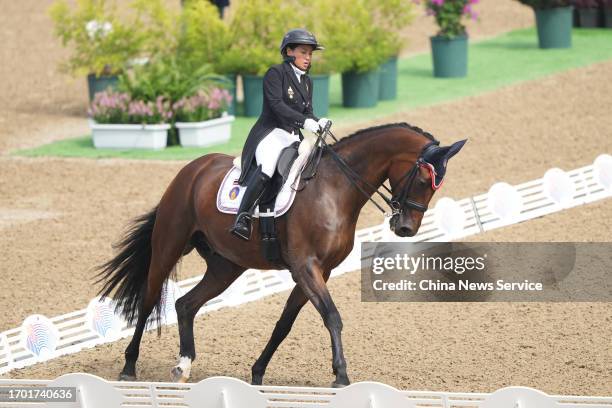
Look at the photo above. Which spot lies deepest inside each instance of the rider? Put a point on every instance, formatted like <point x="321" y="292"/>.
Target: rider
<point x="287" y="107"/>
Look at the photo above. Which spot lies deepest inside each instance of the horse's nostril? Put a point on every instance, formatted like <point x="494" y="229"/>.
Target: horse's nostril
<point x="405" y="232"/>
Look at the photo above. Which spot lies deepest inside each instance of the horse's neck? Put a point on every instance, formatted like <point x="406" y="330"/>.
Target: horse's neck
<point x="370" y="157"/>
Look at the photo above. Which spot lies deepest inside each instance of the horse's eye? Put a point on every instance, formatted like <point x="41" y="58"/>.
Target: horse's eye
<point x="422" y="182"/>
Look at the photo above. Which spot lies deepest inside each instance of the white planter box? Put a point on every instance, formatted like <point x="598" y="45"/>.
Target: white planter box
<point x="207" y="133"/>
<point x="129" y="136"/>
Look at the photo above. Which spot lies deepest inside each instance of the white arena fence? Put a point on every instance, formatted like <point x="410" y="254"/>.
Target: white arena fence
<point x="227" y="392"/>
<point x="40" y="338"/>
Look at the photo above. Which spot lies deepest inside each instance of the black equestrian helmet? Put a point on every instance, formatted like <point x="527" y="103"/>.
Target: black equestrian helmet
<point x="299" y="36"/>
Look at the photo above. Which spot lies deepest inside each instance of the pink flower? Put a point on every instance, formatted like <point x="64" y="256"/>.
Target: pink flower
<point x="437" y="2"/>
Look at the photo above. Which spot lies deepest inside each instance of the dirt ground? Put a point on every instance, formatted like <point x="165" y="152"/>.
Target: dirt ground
<point x="58" y="218"/>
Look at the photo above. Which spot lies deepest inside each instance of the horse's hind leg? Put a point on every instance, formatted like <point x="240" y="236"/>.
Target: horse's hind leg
<point x="168" y="242"/>
<point x="220" y="273"/>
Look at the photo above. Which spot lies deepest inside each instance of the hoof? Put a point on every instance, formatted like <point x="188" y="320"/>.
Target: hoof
<point x="126" y="377"/>
<point x="177" y="375"/>
<point x="257" y="380"/>
<point x="338" y="385"/>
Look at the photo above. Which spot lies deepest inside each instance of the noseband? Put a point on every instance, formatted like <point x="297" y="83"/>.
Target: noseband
<point x="398" y="202"/>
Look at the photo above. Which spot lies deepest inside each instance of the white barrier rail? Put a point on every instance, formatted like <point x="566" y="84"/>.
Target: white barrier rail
<point x="40" y="339"/>
<point x="227" y="392"/>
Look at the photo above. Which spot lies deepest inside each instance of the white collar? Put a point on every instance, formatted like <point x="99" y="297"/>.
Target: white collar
<point x="298" y="72"/>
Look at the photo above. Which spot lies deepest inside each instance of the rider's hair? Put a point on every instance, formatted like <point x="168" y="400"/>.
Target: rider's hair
<point x="292" y="46"/>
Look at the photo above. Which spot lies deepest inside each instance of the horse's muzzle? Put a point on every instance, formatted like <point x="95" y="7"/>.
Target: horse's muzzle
<point x="401" y="230"/>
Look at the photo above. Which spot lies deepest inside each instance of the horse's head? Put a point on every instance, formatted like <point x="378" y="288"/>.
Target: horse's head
<point x="413" y="185"/>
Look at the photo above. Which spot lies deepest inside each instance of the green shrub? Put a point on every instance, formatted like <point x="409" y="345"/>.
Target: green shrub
<point x="352" y="39"/>
<point x="256" y="30"/>
<point x="205" y="38"/>
<point x="102" y="44"/>
<point x="105" y="42"/>
<point x="158" y="26"/>
<point x="391" y="16"/>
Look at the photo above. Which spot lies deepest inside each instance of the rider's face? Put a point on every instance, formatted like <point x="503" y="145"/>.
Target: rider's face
<point x="302" y="54"/>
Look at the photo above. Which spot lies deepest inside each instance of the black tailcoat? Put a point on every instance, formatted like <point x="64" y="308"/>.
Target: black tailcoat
<point x="287" y="103"/>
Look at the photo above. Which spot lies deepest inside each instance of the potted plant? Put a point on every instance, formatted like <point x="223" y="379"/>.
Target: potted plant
<point x="256" y="30"/>
<point x="101" y="43"/>
<point x="449" y="47"/>
<point x="205" y="39"/>
<point x="353" y="49"/>
<point x="391" y="16"/>
<point x="553" y="21"/>
<point x="117" y="121"/>
<point x="168" y="76"/>
<point x="202" y="119"/>
<point x="587" y="13"/>
<point x="606" y="8"/>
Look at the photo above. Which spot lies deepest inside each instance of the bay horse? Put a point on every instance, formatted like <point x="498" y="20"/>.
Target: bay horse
<point x="315" y="235"/>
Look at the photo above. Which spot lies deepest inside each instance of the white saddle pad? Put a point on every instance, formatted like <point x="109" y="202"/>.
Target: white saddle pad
<point x="230" y="193"/>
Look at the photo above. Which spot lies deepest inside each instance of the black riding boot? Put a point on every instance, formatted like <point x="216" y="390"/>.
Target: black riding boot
<point x="257" y="185"/>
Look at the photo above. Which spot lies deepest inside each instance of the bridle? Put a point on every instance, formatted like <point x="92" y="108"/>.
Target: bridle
<point x="398" y="202"/>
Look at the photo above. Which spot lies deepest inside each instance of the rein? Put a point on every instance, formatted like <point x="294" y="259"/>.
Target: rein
<point x="397" y="202"/>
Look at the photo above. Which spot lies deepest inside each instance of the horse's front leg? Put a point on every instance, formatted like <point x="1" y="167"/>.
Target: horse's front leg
<point x="294" y="304"/>
<point x="311" y="279"/>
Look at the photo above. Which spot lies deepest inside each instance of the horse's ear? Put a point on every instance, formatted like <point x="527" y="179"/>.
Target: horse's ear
<point x="454" y="148"/>
<point x="439" y="156"/>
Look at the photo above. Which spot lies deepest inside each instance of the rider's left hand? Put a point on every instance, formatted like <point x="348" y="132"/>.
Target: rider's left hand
<point x="323" y="122"/>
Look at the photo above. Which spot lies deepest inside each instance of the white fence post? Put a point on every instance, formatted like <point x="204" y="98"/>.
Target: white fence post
<point x="602" y="166"/>
<point x="505" y="202"/>
<point x="559" y="187"/>
<point x="449" y="217"/>
<point x="370" y="395"/>
<point x="40" y="337"/>
<point x="224" y="392"/>
<point x="519" y="397"/>
<point x="92" y="392"/>
<point x="103" y="319"/>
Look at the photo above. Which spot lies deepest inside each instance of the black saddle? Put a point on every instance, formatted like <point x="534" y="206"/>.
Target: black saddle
<point x="270" y="246"/>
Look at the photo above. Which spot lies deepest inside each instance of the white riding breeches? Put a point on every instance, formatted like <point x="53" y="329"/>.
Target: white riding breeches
<point x="269" y="149"/>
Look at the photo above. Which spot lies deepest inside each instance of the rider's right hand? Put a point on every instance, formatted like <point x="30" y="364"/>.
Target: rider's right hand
<point x="312" y="126"/>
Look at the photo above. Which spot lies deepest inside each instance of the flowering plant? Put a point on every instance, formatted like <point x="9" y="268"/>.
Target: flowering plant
<point x="449" y="15"/>
<point x="202" y="106"/>
<point x="117" y="107"/>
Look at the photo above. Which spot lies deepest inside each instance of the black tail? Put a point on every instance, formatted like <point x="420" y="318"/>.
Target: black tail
<point x="128" y="270"/>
